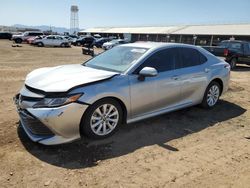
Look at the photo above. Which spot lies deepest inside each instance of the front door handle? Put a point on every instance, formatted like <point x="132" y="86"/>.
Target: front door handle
<point x="207" y="70"/>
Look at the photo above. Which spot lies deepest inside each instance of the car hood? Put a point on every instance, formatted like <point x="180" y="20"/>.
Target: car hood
<point x="62" y="78"/>
<point x="16" y="36"/>
<point x="109" y="43"/>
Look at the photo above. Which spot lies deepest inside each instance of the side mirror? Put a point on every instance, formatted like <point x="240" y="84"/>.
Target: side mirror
<point x="147" y="72"/>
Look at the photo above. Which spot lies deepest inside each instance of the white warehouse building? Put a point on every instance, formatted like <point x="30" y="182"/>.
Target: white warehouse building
<point x="190" y="34"/>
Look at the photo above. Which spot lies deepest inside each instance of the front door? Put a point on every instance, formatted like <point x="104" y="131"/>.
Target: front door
<point x="159" y="92"/>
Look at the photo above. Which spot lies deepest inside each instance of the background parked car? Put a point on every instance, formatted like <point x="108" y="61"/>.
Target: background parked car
<point x="32" y="40"/>
<point x="52" y="40"/>
<point x="70" y="39"/>
<point x="5" y="35"/>
<point x="84" y="40"/>
<point x="99" y="42"/>
<point x="111" y="44"/>
<point x="235" y="52"/>
<point x="26" y="35"/>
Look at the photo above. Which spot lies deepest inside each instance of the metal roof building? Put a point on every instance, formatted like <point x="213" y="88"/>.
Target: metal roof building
<point x="227" y="29"/>
<point x="198" y="34"/>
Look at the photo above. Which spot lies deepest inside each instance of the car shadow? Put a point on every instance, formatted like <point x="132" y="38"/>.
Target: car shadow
<point x="241" y="68"/>
<point x="159" y="130"/>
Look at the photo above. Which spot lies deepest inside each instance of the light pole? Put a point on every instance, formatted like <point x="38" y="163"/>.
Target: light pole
<point x="194" y="38"/>
<point x="168" y="37"/>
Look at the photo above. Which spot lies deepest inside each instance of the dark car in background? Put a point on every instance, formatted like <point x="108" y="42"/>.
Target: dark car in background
<point x="5" y="35"/>
<point x="234" y="51"/>
<point x="99" y="42"/>
<point x="83" y="41"/>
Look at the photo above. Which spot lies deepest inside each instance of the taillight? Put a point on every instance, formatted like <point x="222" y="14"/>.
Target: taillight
<point x="226" y="52"/>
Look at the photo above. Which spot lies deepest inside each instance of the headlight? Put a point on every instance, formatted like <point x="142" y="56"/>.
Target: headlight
<point x="55" y="102"/>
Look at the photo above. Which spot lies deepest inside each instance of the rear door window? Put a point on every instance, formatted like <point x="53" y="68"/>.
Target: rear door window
<point x="51" y="37"/>
<point x="247" y="48"/>
<point x="189" y="57"/>
<point x="235" y="46"/>
<point x="224" y="44"/>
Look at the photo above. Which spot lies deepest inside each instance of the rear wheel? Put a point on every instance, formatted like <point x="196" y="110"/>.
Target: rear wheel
<point x="78" y="44"/>
<point x="63" y="45"/>
<point x="102" y="119"/>
<point x="211" y="95"/>
<point x="40" y="44"/>
<point x="18" y="40"/>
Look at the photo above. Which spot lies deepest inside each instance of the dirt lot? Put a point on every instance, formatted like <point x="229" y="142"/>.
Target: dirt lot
<point x="188" y="148"/>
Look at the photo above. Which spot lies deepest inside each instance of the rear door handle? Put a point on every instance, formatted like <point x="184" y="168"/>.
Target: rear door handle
<point x="207" y="70"/>
<point x="175" y="77"/>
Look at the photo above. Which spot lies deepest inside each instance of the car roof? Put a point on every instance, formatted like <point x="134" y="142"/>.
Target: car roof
<point x="240" y="41"/>
<point x="33" y="32"/>
<point x="156" y="45"/>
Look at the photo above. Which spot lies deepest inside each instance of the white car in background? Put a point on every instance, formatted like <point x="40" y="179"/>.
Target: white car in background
<point x="111" y="44"/>
<point x="25" y="36"/>
<point x="52" y="40"/>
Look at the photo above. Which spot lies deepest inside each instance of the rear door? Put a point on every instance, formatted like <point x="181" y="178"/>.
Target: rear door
<point x="58" y="41"/>
<point x="237" y="47"/>
<point x="49" y="41"/>
<point x="193" y="74"/>
<point x="246" y="57"/>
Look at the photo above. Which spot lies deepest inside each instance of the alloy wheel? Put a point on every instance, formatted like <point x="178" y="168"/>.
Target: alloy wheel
<point x="104" y="119"/>
<point x="213" y="95"/>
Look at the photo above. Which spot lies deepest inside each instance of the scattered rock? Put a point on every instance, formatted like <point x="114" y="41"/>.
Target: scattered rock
<point x="11" y="173"/>
<point x="98" y="161"/>
<point x="173" y="179"/>
<point x="47" y="183"/>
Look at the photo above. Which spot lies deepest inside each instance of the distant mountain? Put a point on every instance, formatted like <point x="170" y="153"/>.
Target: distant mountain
<point x="44" y="28"/>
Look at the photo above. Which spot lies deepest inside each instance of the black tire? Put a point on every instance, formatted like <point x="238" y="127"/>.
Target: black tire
<point x="204" y="103"/>
<point x="63" y="45"/>
<point x="78" y="44"/>
<point x="40" y="44"/>
<point x="18" y="41"/>
<point x="85" y="126"/>
<point x="233" y="63"/>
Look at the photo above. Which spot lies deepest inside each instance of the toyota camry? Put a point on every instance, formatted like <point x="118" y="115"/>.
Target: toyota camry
<point x="125" y="84"/>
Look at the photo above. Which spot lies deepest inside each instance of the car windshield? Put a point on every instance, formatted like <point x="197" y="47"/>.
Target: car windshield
<point x="117" y="59"/>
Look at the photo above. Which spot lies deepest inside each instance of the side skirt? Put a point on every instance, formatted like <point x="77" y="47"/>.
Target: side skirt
<point x="159" y="112"/>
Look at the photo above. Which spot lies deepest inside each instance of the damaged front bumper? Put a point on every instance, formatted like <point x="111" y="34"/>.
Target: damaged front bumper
<point x="51" y="126"/>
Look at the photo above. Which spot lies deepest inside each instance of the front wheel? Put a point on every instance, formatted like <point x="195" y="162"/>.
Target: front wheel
<point x="102" y="119"/>
<point x="212" y="95"/>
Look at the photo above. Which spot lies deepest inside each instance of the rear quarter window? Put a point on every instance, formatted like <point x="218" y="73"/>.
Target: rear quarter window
<point x="203" y="58"/>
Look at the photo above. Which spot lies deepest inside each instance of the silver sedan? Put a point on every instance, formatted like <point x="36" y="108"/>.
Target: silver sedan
<point x="126" y="84"/>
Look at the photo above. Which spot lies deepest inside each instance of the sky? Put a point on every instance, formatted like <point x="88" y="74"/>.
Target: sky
<point x="107" y="13"/>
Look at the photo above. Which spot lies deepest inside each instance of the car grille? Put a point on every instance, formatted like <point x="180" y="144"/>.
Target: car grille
<point x="34" y="125"/>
